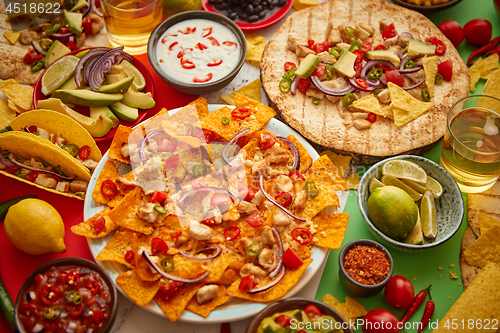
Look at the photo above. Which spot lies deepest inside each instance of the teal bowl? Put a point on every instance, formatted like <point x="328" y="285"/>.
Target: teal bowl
<point x="449" y="207"/>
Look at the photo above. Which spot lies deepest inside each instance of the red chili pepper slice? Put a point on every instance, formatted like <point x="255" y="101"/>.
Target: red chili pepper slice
<point x="51" y="325"/>
<point x="302" y="236"/>
<point x="84" y="153"/>
<point x="27" y="309"/>
<point x="389" y="32"/>
<point x="187" y="64"/>
<point x="158" y="245"/>
<point x="440" y="45"/>
<point x="98" y="224"/>
<point x="32" y="129"/>
<point x="241" y="113"/>
<point x="284" y="198"/>
<point x="99" y="317"/>
<point x="129" y="256"/>
<point x="172" y="162"/>
<point x="214" y="41"/>
<point x="380" y="47"/>
<point x="362" y="83"/>
<point x="109" y="189"/>
<point x="289" y="65"/>
<point x="176" y="234"/>
<point x="230" y="43"/>
<point x="359" y="55"/>
<point x="366" y="46"/>
<point x="231" y="233"/>
<point x="266" y="141"/>
<point x="372" y="117"/>
<point x="206" y="32"/>
<point x="296" y="176"/>
<point x="358" y="66"/>
<point x="208" y="221"/>
<point x="182" y="52"/>
<point x="94" y="286"/>
<point x="247" y="283"/>
<point x="254" y="219"/>
<point x="319" y="70"/>
<point x="208" y="78"/>
<point x="49" y="294"/>
<point x="201" y="46"/>
<point x="75" y="310"/>
<point x="214" y="63"/>
<point x="171" y="47"/>
<point x="72" y="278"/>
<point x="310" y="42"/>
<point x="188" y="30"/>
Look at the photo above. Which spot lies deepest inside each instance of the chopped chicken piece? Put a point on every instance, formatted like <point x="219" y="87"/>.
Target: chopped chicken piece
<point x="128" y="149"/>
<point x="387" y="110"/>
<point x="206" y="293"/>
<point x="359" y="115"/>
<point x="147" y="213"/>
<point x="34" y="163"/>
<point x="362" y="124"/>
<point x="79" y="40"/>
<point x="362" y="33"/>
<point x="199" y="231"/>
<point x="276" y="154"/>
<point x="62" y="187"/>
<point x="384" y="24"/>
<point x="78" y="186"/>
<point x="259" y="166"/>
<point x="300" y="199"/>
<point x="368" y="28"/>
<point x="314" y="93"/>
<point x="403" y="40"/>
<point x="417" y="76"/>
<point x="91" y="164"/>
<point x="384" y="97"/>
<point x="268" y="236"/>
<point x="43" y="133"/>
<point x="326" y="58"/>
<point x="284" y="184"/>
<point x="333" y="99"/>
<point x="343" y="46"/>
<point x="334" y="36"/>
<point x="251" y="269"/>
<point x="245" y="207"/>
<point x="258" y="199"/>
<point x="45" y="180"/>
<point x="97" y="23"/>
<point x="338" y="83"/>
<point x="303" y="51"/>
<point x="391" y="41"/>
<point x="27" y="36"/>
<point x="293" y="42"/>
<point x="280" y="217"/>
<point x="266" y="258"/>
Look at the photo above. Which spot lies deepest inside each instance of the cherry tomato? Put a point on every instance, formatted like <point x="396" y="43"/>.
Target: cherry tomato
<point x="389" y="32"/>
<point x="158" y="245"/>
<point x="169" y="288"/>
<point x="393" y="75"/>
<point x="446" y="70"/>
<point x="232" y="233"/>
<point x="312" y="311"/>
<point x="109" y="189"/>
<point x="247" y="283"/>
<point x="291" y="259"/>
<point x="172" y="162"/>
<point x="380" y="321"/>
<point x="440" y="45"/>
<point x="246" y="191"/>
<point x="283" y="320"/>
<point x="289" y="65"/>
<point x="319" y="70"/>
<point x="303" y="85"/>
<point x="453" y="31"/>
<point x="266" y="141"/>
<point x="84" y="153"/>
<point x="399" y="292"/>
<point x="321" y="46"/>
<point x="372" y="117"/>
<point x="254" y="219"/>
<point x="98" y="224"/>
<point x="158" y="196"/>
<point x="478" y="31"/>
<point x="218" y="199"/>
<point x="31" y="56"/>
<point x="380" y="47"/>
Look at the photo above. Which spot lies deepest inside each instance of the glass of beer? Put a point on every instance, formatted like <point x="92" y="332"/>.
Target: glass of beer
<point x="130" y="22"/>
<point x="471" y="146"/>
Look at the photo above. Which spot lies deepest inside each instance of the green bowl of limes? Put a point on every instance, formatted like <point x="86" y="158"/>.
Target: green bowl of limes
<point x="410" y="203"/>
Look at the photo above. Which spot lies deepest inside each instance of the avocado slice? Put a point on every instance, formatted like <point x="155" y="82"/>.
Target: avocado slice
<point x="74" y="22"/>
<point x="86" y="97"/>
<point x="307" y="66"/>
<point x="416" y="47"/>
<point x="124" y="112"/>
<point x="79" y="5"/>
<point x="383" y="55"/>
<point x="97" y="127"/>
<point x="345" y="64"/>
<point x="70" y="84"/>
<point x="106" y="112"/>
<point x="137" y="99"/>
<point x="55" y="51"/>
<point x="118" y="87"/>
<point x="113" y="78"/>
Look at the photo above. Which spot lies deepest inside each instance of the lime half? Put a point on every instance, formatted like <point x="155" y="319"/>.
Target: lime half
<point x="132" y="71"/>
<point x="60" y="70"/>
<point x="405" y="169"/>
<point x="428" y="215"/>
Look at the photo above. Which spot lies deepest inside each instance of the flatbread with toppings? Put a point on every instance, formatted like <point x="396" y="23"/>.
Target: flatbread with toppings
<point x="338" y="39"/>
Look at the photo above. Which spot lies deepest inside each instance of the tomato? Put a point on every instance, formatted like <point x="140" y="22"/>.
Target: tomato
<point x="247" y="283"/>
<point x="380" y="47"/>
<point x="63" y="30"/>
<point x="158" y="245"/>
<point x="32" y="176"/>
<point x="291" y="259"/>
<point x="172" y="162"/>
<point x="380" y="321"/>
<point x="72" y="278"/>
<point x="312" y="311"/>
<point x="71" y="45"/>
<point x="129" y="256"/>
<point x="27" y="309"/>
<point x="446" y="70"/>
<point x="218" y="199"/>
<point x="84" y="153"/>
<point x="372" y="117"/>
<point x="399" y="292"/>
<point x="393" y="75"/>
<point x="366" y="46"/>
<point x="303" y="85"/>
<point x="453" y="31"/>
<point x="254" y="219"/>
<point x="389" y="32"/>
<point x="440" y="45"/>
<point x="51" y="325"/>
<point x="206" y="135"/>
<point x="478" y="31"/>
<point x="158" y="196"/>
<point x="31" y="56"/>
<point x="166" y="145"/>
<point x="289" y="65"/>
<point x="283" y="320"/>
<point x="319" y="70"/>
<point x="321" y="46"/>
<point x="109" y="189"/>
<point x="232" y="233"/>
<point x="169" y="288"/>
<point x="266" y="141"/>
<point x="98" y="224"/>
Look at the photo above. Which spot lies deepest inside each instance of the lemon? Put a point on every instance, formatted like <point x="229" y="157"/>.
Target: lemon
<point x="374" y="183"/>
<point x="390" y="180"/>
<point x="428" y="215"/>
<point x="60" y="70"/>
<point x="392" y="211"/>
<point x="35" y="227"/>
<point x="171" y="7"/>
<point x="132" y="71"/>
<point x="433" y="185"/>
<point x="405" y="169"/>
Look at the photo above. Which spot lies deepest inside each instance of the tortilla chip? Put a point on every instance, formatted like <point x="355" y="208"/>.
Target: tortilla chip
<point x="186" y="268"/>
<point x="479" y="300"/>
<point x="279" y="290"/>
<point x="406" y="107"/>
<point x="139" y="291"/>
<point x="485" y="249"/>
<point x="116" y="248"/>
<point x="350" y="310"/>
<point x="171" y="129"/>
<point x="201" y="106"/>
<point x="119" y="140"/>
<point x="142" y="267"/>
<point x="303" y="4"/>
<point x="6" y="114"/>
<point x="430" y="69"/>
<point x="251" y="90"/>
<point x="13" y="106"/>
<point x="125" y="213"/>
<point x="262" y="113"/>
<point x="205" y="308"/>
<point x="11" y="36"/>
<point x="305" y="158"/>
<point x="342" y="163"/>
<point x="330" y="230"/>
<point x="108" y="172"/>
<point x="491" y="88"/>
<point x="255" y="48"/>
<point x="474" y="79"/>
<point x="486" y="222"/>
<point x="483" y="68"/>
<point x="20" y="95"/>
<point x="228" y="277"/>
<point x="369" y="103"/>
<point x="86" y="228"/>
<point x="217" y="267"/>
<point x="214" y="123"/>
<point x="173" y="306"/>
<point x="189" y="114"/>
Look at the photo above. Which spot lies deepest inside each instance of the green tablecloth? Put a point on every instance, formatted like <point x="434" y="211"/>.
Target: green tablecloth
<point x="422" y="267"/>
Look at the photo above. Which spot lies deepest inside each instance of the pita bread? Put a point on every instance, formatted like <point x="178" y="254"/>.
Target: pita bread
<point x="322" y="124"/>
<point x="11" y="55"/>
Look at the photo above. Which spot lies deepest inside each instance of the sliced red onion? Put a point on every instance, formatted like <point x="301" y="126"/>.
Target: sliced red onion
<point x="13" y="160"/>
<point x="142" y="146"/>
<point x="296" y="154"/>
<point x="88" y="67"/>
<point x="295" y="83"/>
<point x="232" y="142"/>
<point x="101" y="302"/>
<point x="217" y="248"/>
<point x="274" y="202"/>
<point x="63" y="38"/>
<point x="5" y="162"/>
<point x="352" y="82"/>
<point x="277" y="269"/>
<point x="206" y="189"/>
<point x="71" y="328"/>
<point x="272" y="284"/>
<point x="94" y="8"/>
<point x="329" y="91"/>
<point x="37" y="47"/>
<point x="86" y="311"/>
<point x="38" y="328"/>
<point x="404" y="70"/>
<point x="369" y="66"/>
<point x="85" y="270"/>
<point x="405" y="37"/>
<point x="169" y="276"/>
<point x="30" y="296"/>
<point x="415" y="85"/>
<point x="383" y="80"/>
<point x="84" y="11"/>
<point x="103" y="65"/>
<point x="84" y="59"/>
<point x="126" y="56"/>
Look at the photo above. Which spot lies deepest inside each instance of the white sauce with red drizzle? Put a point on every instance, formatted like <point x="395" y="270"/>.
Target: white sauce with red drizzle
<point x="198" y="51"/>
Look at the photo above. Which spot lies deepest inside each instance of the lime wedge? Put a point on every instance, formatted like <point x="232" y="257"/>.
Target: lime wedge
<point x="374" y="183"/>
<point x="132" y="71"/>
<point x="428" y="215"/>
<point x="390" y="180"/>
<point x="57" y="73"/>
<point x="405" y="169"/>
<point x="432" y="185"/>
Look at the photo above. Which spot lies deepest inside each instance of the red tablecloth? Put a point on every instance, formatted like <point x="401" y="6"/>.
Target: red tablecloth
<point x="16" y="266"/>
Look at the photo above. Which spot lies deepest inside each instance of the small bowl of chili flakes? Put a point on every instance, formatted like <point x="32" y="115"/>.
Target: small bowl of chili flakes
<point x="66" y="295"/>
<point x="365" y="267"/>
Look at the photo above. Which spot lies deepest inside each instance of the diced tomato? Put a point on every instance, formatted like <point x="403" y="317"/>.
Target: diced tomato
<point x="291" y="259"/>
<point x="169" y="288"/>
<point x="214" y="41"/>
<point x="206" y="79"/>
<point x="98" y="224"/>
<point x="27" y="309"/>
<point x="129" y="256"/>
<point x="231" y="233"/>
<point x="446" y="70"/>
<point x="93" y="286"/>
<point x="321" y="46"/>
<point x="51" y="325"/>
<point x="32" y="176"/>
<point x="84" y="153"/>
<point x="312" y="311"/>
<point x="358" y="67"/>
<point x="75" y="310"/>
<point x="158" y="196"/>
<point x="393" y="75"/>
<point x="372" y="117"/>
<point x="289" y="65"/>
<point x="172" y="162"/>
<point x="109" y="189"/>
<point x="380" y="47"/>
<point x="71" y="45"/>
<point x="12" y="170"/>
<point x="440" y="45"/>
<point x="206" y="135"/>
<point x="254" y="219"/>
<point x="247" y="283"/>
<point x="283" y="320"/>
<point x="72" y="278"/>
<point x="266" y="141"/>
<point x="310" y="42"/>
<point x="218" y="199"/>
<point x="214" y="63"/>
<point x="158" y="245"/>
<point x="31" y="56"/>
<point x="319" y="70"/>
<point x="359" y="55"/>
<point x="303" y="85"/>
<point x="99" y="317"/>
<point x="389" y="32"/>
<point x="366" y="46"/>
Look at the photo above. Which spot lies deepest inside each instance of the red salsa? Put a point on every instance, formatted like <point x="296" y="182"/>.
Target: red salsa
<point x="366" y="264"/>
<point x="66" y="298"/>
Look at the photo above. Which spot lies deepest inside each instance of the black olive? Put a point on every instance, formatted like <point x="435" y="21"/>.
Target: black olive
<point x="257" y="9"/>
<point x="263" y="13"/>
<point x="281" y="3"/>
<point x="243" y="16"/>
<point x="256" y="3"/>
<point x="232" y="15"/>
<point x="249" y="9"/>
<point x="253" y="18"/>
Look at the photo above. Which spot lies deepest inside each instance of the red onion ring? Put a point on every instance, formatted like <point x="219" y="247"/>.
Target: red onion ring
<point x="296" y="162"/>
<point x="144" y="140"/>
<point x="329" y="91"/>
<point x="169" y="276"/>
<point x="103" y="65"/>
<point x="415" y="85"/>
<point x="13" y="160"/>
<point x="4" y="161"/>
<point x="275" y="271"/>
<point x="352" y="82"/>
<point x="231" y="143"/>
<point x="404" y="70"/>
<point x="206" y="189"/>
<point x="79" y="66"/>
<point x="37" y="47"/>
<point x="63" y="38"/>
<point x="84" y="11"/>
<point x="274" y="202"/>
<point x="293" y="87"/>
<point x="218" y="251"/>
<point x="272" y="284"/>
<point x="94" y="8"/>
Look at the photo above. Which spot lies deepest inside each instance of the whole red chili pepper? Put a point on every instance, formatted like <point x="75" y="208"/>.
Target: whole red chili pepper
<point x="428" y="311"/>
<point x="417" y="301"/>
<point x="497" y="50"/>
<point x="225" y="328"/>
<point x="483" y="49"/>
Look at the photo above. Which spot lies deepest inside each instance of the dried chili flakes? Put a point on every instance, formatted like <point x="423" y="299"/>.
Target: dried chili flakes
<point x="366" y="264"/>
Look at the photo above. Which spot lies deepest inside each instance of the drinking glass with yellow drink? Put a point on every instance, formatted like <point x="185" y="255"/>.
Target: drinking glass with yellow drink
<point x="471" y="146"/>
<point x="130" y="22"/>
